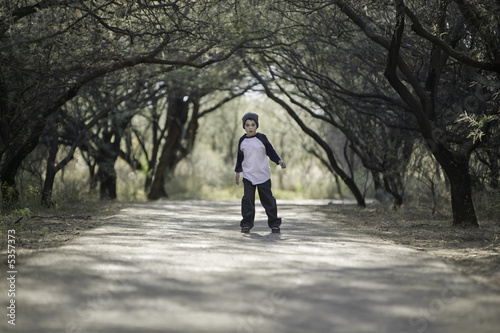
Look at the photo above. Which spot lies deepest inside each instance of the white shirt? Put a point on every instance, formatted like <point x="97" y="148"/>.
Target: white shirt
<point x="256" y="163"/>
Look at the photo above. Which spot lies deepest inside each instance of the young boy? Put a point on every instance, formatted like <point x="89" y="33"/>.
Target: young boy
<point x="253" y="150"/>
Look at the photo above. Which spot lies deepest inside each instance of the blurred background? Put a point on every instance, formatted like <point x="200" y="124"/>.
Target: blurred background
<point x="132" y="101"/>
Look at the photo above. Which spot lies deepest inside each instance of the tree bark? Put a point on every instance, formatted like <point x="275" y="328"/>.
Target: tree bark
<point x="51" y="141"/>
<point x="107" y="189"/>
<point x="109" y="150"/>
<point x="177" y="116"/>
<point x="493" y="158"/>
<point x="454" y="163"/>
<point x="456" y="168"/>
<point x="10" y="194"/>
<point x="464" y="214"/>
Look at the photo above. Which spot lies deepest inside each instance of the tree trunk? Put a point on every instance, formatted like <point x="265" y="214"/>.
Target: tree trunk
<point x="457" y="171"/>
<point x="339" y="188"/>
<point x="48" y="185"/>
<point x="8" y="172"/>
<point x="51" y="141"/>
<point x="391" y="186"/>
<point x="108" y="154"/>
<point x="107" y="189"/>
<point x="157" y="190"/>
<point x="493" y="158"/>
<point x="177" y="115"/>
<point x="10" y="194"/>
<point x="464" y="214"/>
<point x="10" y="162"/>
<point x="454" y="163"/>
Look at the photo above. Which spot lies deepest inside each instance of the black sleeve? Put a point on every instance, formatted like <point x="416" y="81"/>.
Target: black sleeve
<point x="240" y="157"/>
<point x="273" y="155"/>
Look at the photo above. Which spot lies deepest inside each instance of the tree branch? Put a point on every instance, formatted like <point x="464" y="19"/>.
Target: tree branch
<point x="459" y="56"/>
<point x="92" y="123"/>
<point x="347" y="180"/>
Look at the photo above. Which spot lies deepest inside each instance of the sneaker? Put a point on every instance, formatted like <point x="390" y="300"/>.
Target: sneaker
<point x="275" y="230"/>
<point x="245" y="230"/>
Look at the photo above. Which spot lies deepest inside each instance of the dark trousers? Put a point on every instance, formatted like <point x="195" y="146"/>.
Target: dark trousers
<point x="266" y="199"/>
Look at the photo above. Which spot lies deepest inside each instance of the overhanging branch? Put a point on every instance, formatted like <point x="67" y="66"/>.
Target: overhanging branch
<point x="459" y="56"/>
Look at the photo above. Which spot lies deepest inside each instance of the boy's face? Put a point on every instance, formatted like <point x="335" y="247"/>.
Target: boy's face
<point x="250" y="127"/>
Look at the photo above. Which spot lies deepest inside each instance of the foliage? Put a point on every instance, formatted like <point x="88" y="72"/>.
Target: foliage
<point x="384" y="84"/>
<point x="208" y="173"/>
<point x="476" y="124"/>
<point x="380" y="85"/>
<point x="49" y="51"/>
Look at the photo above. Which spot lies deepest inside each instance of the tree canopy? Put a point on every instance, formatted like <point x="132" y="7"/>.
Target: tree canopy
<point x="398" y="79"/>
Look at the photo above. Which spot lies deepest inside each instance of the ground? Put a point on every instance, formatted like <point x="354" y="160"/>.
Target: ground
<point x="54" y="228"/>
<point x="475" y="252"/>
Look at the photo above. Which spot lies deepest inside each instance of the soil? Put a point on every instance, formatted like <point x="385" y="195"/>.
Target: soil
<point x="474" y="252"/>
<point x="53" y="228"/>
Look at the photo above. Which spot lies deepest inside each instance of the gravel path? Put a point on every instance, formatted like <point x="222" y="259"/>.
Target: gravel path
<point x="185" y="267"/>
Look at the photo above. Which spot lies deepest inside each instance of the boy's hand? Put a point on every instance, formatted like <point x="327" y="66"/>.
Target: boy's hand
<point x="237" y="178"/>
<point x="282" y="164"/>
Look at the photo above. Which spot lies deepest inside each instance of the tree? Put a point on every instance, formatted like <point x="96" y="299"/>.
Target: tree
<point x="425" y="71"/>
<point x="328" y="73"/>
<point x="73" y="126"/>
<point x="183" y="98"/>
<point x="348" y="98"/>
<point x="324" y="145"/>
<point x="457" y="34"/>
<point x="50" y="50"/>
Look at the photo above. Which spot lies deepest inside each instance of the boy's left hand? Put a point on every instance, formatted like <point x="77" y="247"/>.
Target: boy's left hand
<point x="282" y="164"/>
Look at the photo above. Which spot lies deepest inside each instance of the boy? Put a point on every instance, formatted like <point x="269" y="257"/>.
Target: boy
<point x="253" y="150"/>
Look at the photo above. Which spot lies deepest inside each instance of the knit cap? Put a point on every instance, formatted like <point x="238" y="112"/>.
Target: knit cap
<point x="252" y="116"/>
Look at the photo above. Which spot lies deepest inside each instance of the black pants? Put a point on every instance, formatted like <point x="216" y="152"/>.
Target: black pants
<point x="266" y="199"/>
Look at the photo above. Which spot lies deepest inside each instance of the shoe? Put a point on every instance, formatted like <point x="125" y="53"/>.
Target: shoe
<point x="275" y="230"/>
<point x="245" y="230"/>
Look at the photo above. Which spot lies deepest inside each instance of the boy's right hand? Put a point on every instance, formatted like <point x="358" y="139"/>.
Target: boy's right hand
<point x="237" y="178"/>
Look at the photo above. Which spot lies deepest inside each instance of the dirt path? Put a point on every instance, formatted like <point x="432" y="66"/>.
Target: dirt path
<point x="185" y="267"/>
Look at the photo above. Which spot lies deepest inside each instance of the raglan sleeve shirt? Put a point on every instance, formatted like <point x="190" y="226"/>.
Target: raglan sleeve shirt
<point x="252" y="160"/>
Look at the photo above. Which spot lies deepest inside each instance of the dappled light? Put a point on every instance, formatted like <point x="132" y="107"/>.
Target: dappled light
<point x="133" y="135"/>
<point x="185" y="267"/>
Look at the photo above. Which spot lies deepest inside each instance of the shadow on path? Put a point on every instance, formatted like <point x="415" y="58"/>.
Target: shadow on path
<point x="185" y="267"/>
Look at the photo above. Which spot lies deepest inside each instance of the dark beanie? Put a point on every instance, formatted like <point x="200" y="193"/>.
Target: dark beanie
<point x="252" y="116"/>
